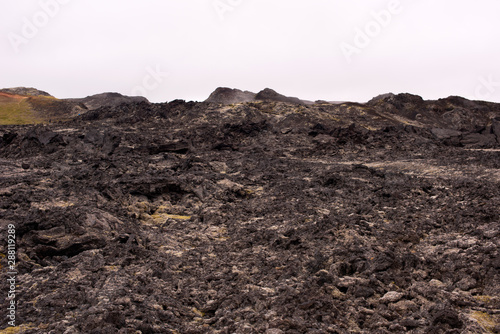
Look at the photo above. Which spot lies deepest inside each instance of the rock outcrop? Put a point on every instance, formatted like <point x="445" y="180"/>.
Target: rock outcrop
<point x="456" y="120"/>
<point x="271" y="95"/>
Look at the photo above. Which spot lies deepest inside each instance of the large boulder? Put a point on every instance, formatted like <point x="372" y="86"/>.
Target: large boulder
<point x="445" y="133"/>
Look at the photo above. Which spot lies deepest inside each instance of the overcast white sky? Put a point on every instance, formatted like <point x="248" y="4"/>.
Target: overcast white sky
<point x="315" y="49"/>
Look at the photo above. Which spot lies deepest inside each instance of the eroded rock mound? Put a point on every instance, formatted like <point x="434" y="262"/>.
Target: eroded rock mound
<point x="108" y="100"/>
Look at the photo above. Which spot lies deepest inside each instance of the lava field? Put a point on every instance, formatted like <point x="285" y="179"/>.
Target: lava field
<point x="258" y="217"/>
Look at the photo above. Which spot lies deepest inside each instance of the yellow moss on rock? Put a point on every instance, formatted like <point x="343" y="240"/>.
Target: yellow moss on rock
<point x="198" y="312"/>
<point x="485" y="320"/>
<point x="484" y="299"/>
<point x="17" y="330"/>
<point x="160" y="218"/>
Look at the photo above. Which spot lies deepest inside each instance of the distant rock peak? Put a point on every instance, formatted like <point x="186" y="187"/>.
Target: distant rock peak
<point x="226" y="95"/>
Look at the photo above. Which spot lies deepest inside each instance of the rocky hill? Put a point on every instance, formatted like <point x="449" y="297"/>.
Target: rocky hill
<point x="24" y="91"/>
<point x="31" y="106"/>
<point x="258" y="217"/>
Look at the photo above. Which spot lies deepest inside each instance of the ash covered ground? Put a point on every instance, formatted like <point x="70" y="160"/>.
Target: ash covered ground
<point x="257" y="217"/>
